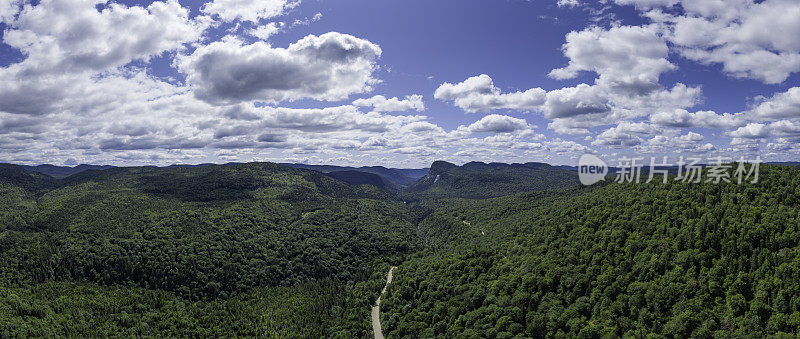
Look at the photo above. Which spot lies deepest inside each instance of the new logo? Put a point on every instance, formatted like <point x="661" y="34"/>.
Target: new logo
<point x="591" y="169"/>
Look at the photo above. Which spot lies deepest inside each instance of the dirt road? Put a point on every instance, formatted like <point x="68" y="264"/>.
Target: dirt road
<point x="376" y="309"/>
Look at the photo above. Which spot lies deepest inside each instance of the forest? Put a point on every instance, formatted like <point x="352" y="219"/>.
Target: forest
<point x="484" y="251"/>
<point x="477" y="180"/>
<point x="610" y="260"/>
<point x="251" y="249"/>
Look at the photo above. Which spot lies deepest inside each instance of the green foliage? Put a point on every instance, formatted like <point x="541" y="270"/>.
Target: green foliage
<point x="266" y="250"/>
<point x="17" y="176"/>
<point x="477" y="180"/>
<point x="321" y="309"/>
<point x="251" y="249"/>
<point x="672" y="260"/>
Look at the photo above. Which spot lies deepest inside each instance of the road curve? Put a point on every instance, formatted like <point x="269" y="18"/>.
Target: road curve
<point x="376" y="309"/>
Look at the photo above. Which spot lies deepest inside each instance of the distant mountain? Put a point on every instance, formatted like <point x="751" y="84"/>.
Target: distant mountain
<point x="413" y="173"/>
<point x="396" y="176"/>
<point x="567" y="167"/>
<point x="63" y="171"/>
<point x="786" y="163"/>
<point x="477" y="180"/>
<point x="14" y="175"/>
<point x="400" y="176"/>
<point x="198" y="165"/>
<point x="390" y="178"/>
<point x="360" y="178"/>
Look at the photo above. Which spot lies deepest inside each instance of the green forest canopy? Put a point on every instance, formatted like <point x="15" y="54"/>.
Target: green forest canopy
<point x="267" y="250"/>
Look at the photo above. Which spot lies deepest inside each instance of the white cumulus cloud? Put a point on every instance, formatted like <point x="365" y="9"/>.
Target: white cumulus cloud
<point x="248" y="10"/>
<point x="756" y="40"/>
<point x="683" y="118"/>
<point x="495" y="123"/>
<point x="478" y="94"/>
<point x="781" y="105"/>
<point x="380" y="103"/>
<point x="628" y="59"/>
<point x="331" y="66"/>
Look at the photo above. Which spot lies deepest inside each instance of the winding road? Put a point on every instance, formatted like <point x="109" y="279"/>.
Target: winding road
<point x="376" y="309"/>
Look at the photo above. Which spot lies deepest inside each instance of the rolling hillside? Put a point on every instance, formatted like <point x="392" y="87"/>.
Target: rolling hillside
<point x="63" y="171"/>
<point x="396" y="176"/>
<point x="204" y="240"/>
<point x="262" y="249"/>
<point x="477" y="180"/>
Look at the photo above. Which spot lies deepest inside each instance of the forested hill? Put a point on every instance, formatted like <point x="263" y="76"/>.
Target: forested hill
<point x="63" y="171"/>
<point x="362" y="178"/>
<point x="247" y="249"/>
<point x="396" y="176"/>
<point x="262" y="249"/>
<point x="612" y="260"/>
<point x="476" y="180"/>
<point x="20" y="178"/>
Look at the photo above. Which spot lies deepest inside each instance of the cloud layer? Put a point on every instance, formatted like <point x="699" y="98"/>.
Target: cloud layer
<point x="160" y="83"/>
<point x="331" y="66"/>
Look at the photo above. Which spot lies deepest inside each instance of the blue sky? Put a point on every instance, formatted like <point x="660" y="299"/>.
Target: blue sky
<point x="144" y="82"/>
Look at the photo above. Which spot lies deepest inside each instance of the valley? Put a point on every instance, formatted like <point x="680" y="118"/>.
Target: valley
<point x="400" y="169"/>
<point x="487" y="250"/>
